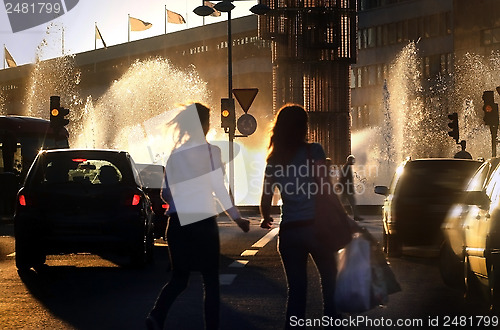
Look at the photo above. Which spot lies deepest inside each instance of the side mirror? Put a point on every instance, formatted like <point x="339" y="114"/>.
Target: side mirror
<point x="478" y="198"/>
<point x="381" y="190"/>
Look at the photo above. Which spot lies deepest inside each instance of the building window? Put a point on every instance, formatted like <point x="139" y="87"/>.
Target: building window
<point x="380" y="74"/>
<point x="413" y="29"/>
<point x="330" y="35"/>
<point x="392" y="33"/>
<point x="399" y="31"/>
<point x="448" y="23"/>
<point x="372" y="75"/>
<point x="371" y="38"/>
<point x="444" y="64"/>
<point x="379" y="36"/>
<point x="365" y="76"/>
<point x="434" y="25"/>
<point x="353" y="78"/>
<point x="385" y="35"/>
<point x="427" y="67"/>
<point x="490" y="36"/>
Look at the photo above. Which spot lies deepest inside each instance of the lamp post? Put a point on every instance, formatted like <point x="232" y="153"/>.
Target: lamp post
<point x="226" y="6"/>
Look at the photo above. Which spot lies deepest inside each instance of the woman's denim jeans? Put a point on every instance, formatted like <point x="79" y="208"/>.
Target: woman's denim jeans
<point x="295" y="245"/>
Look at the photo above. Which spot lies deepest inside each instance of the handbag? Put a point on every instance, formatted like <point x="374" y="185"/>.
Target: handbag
<point x="384" y="281"/>
<point x="353" y="289"/>
<point x="364" y="279"/>
<point x="333" y="226"/>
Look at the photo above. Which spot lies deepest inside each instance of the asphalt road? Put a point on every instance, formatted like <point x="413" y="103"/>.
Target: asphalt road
<point x="85" y="291"/>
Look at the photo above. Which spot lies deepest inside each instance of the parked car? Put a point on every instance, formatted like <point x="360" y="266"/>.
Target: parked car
<point x="152" y="179"/>
<point x="416" y="203"/>
<point x="82" y="201"/>
<point x="452" y="252"/>
<point x="482" y="242"/>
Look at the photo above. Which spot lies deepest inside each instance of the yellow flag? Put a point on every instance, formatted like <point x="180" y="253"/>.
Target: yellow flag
<point x="138" y="25"/>
<point x="175" y="18"/>
<point x="9" y="59"/>
<point x="99" y="36"/>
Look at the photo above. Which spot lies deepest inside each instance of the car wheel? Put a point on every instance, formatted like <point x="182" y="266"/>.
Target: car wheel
<point x="450" y="267"/>
<point x="142" y="253"/>
<point x="393" y="246"/>
<point x="384" y="242"/>
<point x="150" y="243"/>
<point x="494" y="288"/>
<point x="471" y="285"/>
<point x="138" y="256"/>
<point x="27" y="254"/>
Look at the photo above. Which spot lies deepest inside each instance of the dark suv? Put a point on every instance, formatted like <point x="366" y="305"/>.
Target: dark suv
<point x="82" y="201"/>
<point x="418" y="200"/>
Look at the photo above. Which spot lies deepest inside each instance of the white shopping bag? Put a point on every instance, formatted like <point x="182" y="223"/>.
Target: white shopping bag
<point x="353" y="288"/>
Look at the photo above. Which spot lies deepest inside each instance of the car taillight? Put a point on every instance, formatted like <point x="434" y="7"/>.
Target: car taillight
<point x="136" y="199"/>
<point x="22" y="200"/>
<point x="165" y="206"/>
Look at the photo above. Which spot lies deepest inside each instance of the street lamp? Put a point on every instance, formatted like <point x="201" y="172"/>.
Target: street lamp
<point x="226" y="6"/>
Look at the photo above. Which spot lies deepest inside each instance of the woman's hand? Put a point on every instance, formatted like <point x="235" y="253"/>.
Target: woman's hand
<point x="267" y="223"/>
<point x="244" y="224"/>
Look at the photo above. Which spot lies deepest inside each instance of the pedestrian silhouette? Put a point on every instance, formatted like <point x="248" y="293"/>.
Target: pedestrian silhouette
<point x="348" y="192"/>
<point x="192" y="232"/>
<point x="463" y="154"/>
<point x="288" y="153"/>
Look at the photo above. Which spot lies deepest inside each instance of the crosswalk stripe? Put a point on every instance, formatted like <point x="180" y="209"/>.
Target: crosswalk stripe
<point x="226" y="279"/>
<point x="249" y="253"/>
<point x="239" y="263"/>
<point x="266" y="239"/>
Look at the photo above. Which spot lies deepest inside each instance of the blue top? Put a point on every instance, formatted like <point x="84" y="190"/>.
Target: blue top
<point x="296" y="184"/>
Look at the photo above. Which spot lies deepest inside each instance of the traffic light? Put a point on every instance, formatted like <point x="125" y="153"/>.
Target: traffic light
<point x="490" y="109"/>
<point x="454" y="126"/>
<point x="227" y="115"/>
<point x="57" y="114"/>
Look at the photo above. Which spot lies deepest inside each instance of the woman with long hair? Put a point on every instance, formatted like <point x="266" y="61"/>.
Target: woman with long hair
<point x="289" y="169"/>
<point x="193" y="175"/>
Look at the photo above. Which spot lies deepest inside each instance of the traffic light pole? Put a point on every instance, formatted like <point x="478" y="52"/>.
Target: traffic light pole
<point x="232" y="127"/>
<point x="494" y="132"/>
<point x="490" y="109"/>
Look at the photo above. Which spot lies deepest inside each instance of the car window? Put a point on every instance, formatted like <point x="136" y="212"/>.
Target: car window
<point x="434" y="177"/>
<point x="493" y="187"/>
<point x="395" y="179"/>
<point x="477" y="182"/>
<point x="90" y="171"/>
<point x="151" y="176"/>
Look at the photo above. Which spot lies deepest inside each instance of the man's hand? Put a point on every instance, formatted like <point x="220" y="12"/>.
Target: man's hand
<point x="244" y="224"/>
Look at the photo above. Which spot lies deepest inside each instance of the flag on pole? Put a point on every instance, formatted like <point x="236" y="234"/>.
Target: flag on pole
<point x="216" y="13"/>
<point x="138" y="25"/>
<point x="9" y="59"/>
<point x="99" y="36"/>
<point x="175" y="18"/>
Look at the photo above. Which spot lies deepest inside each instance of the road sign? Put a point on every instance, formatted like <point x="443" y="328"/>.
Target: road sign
<point x="245" y="97"/>
<point x="247" y="124"/>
